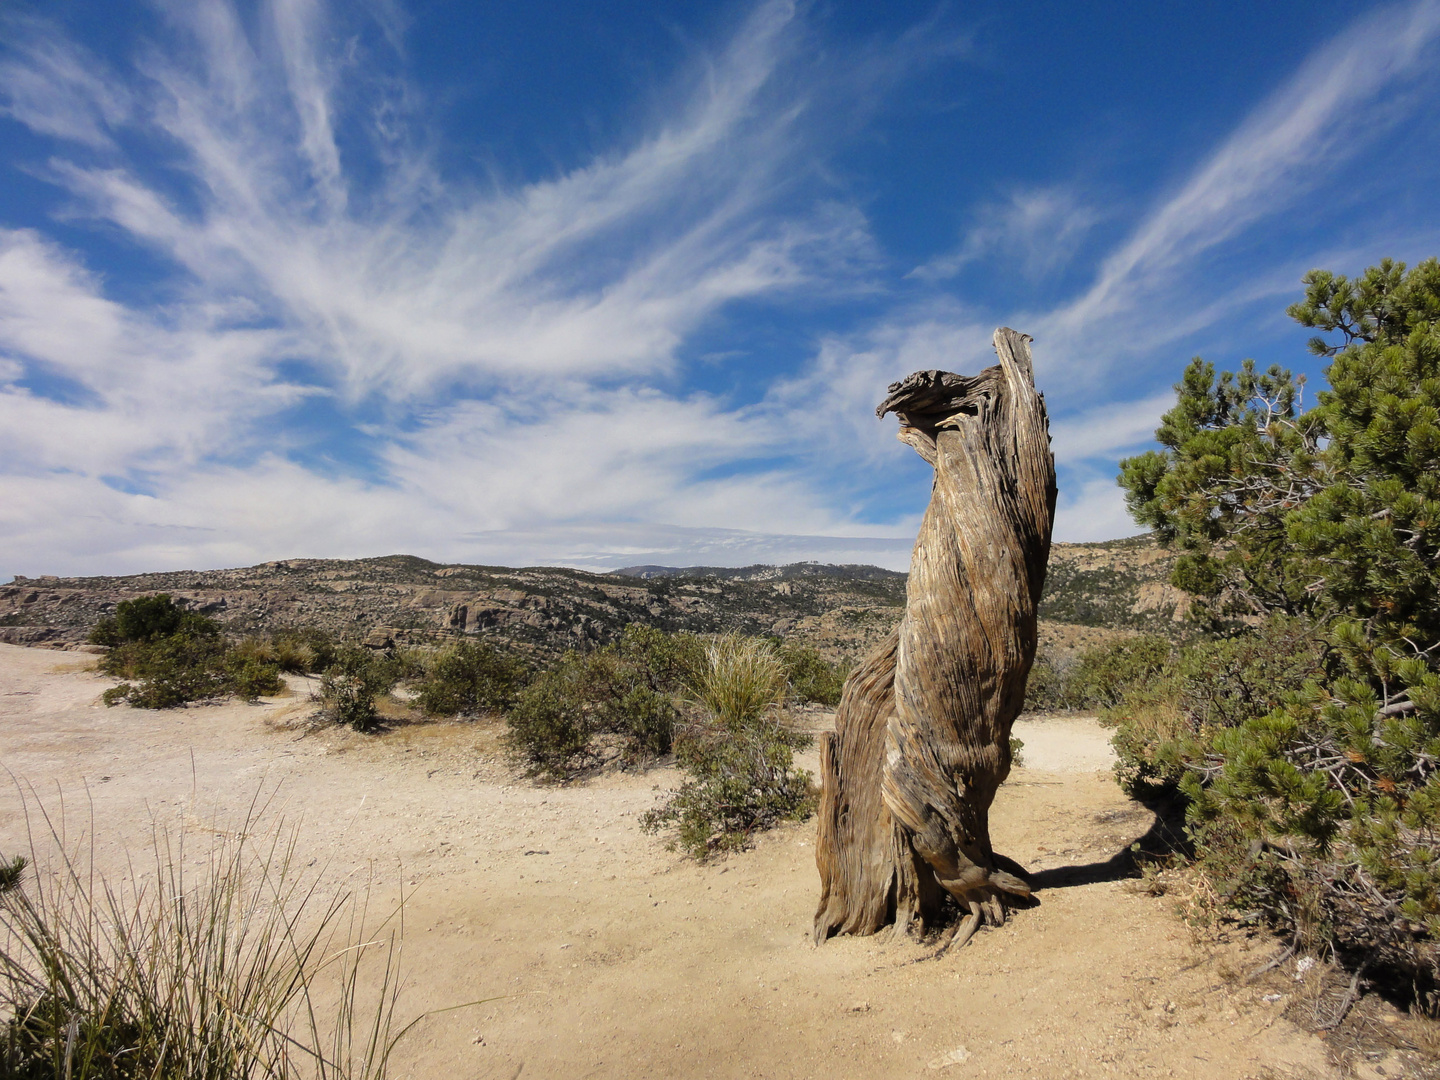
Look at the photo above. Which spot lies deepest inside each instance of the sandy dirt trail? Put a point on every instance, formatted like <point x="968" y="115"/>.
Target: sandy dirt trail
<point x="633" y="962"/>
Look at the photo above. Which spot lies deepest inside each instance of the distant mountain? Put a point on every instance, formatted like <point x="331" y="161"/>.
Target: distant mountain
<point x="764" y="572"/>
<point x="1092" y="590"/>
<point x="405" y="599"/>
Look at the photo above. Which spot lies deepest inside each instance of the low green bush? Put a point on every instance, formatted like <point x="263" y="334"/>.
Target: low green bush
<point x="350" y="687"/>
<point x="470" y="678"/>
<point x="1165" y="714"/>
<point x="1150" y="736"/>
<point x="667" y="663"/>
<point x="304" y="650"/>
<point x="1099" y="678"/>
<point x="146" y="618"/>
<point x="627" y="698"/>
<point x="738" y="754"/>
<point x="737" y="784"/>
<point x="1225" y="681"/>
<point x="166" y="671"/>
<point x="624" y="695"/>
<point x="811" y="676"/>
<point x="168" y="657"/>
<point x="1046" y="689"/>
<point x="644" y="719"/>
<point x="1323" y="815"/>
<point x="1102" y="676"/>
<point x="549" y="726"/>
<point x="250" y="679"/>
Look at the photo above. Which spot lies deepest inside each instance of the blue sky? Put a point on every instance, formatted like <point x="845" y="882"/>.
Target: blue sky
<point x="605" y="284"/>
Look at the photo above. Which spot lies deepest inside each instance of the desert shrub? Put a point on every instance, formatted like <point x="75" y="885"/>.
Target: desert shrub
<point x="1150" y="736"/>
<point x="1225" y="681"/>
<point x="170" y="671"/>
<point x="556" y="722"/>
<point x="738" y="783"/>
<point x="169" y="656"/>
<point x="249" y="678"/>
<point x="261" y="650"/>
<point x="470" y="678"/>
<point x="738" y="754"/>
<point x="104" y="632"/>
<point x="409" y="663"/>
<point x="811" y="676"/>
<point x="252" y="669"/>
<point x="742" y="679"/>
<point x="1102" y="676"/>
<point x="1163" y="719"/>
<point x="626" y="691"/>
<point x="349" y="688"/>
<point x="1324" y="816"/>
<point x="645" y="718"/>
<point x="666" y="662"/>
<point x="549" y="725"/>
<point x="304" y="650"/>
<point x="1046" y="689"/>
<point x="220" y="973"/>
<point x="297" y="658"/>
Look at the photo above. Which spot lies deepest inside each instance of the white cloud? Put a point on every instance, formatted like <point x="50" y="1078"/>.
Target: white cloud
<point x="1093" y="510"/>
<point x="150" y="394"/>
<point x="600" y="271"/>
<point x="829" y="408"/>
<point x="548" y="306"/>
<point x="60" y="90"/>
<point x="1107" y="429"/>
<point x="1037" y="230"/>
<point x="218" y="517"/>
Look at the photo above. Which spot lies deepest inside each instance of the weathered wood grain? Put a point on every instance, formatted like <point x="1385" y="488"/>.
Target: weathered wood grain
<point x="922" y="737"/>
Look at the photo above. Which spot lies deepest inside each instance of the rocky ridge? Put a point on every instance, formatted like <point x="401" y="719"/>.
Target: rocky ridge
<point x="842" y="610"/>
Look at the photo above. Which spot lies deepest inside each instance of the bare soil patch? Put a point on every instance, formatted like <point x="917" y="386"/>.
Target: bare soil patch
<point x="628" y="961"/>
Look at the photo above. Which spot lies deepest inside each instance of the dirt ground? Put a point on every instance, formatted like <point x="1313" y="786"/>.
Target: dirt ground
<point x="625" y="960"/>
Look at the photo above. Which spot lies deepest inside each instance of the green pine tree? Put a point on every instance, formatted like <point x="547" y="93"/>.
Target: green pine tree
<point x="1324" y="813"/>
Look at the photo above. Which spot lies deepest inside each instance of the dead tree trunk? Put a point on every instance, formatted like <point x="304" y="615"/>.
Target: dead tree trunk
<point x="922" y="738"/>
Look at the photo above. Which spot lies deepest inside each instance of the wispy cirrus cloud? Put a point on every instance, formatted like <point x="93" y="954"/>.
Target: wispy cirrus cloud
<point x="1034" y="230"/>
<point x="1155" y="288"/>
<point x="1340" y="102"/>
<point x="601" y="270"/>
<point x="56" y="89"/>
<point x="506" y="354"/>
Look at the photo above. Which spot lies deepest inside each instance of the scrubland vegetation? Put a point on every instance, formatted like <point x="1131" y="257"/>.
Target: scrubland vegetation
<point x="718" y="704"/>
<point x="169" y="656"/>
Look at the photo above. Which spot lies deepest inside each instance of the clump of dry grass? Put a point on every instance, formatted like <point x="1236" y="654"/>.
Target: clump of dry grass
<point x="742" y="677"/>
<point x="239" y="968"/>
